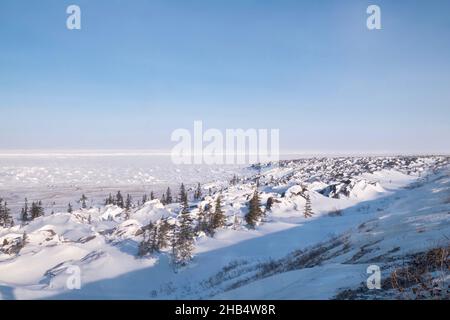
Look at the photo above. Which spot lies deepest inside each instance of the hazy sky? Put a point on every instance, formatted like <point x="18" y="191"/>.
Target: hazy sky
<point x="140" y="69"/>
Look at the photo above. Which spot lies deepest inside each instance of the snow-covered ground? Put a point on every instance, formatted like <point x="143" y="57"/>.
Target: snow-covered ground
<point x="60" y="178"/>
<point x="366" y="211"/>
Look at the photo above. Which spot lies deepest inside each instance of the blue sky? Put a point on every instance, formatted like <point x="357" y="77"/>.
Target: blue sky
<point x="140" y="69"/>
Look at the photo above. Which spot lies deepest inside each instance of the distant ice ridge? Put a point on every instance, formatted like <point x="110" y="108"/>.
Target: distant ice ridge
<point x="62" y="178"/>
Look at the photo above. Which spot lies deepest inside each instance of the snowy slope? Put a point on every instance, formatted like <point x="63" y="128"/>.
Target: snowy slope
<point x="383" y="204"/>
<point x="407" y="222"/>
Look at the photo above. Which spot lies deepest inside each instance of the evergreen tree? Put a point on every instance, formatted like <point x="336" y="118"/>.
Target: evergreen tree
<point x="144" y="199"/>
<point x="146" y="245"/>
<point x="183" y="199"/>
<point x="155" y="238"/>
<point x="308" y="208"/>
<point x="83" y="201"/>
<point x="205" y="220"/>
<point x="23" y="216"/>
<point x="163" y="199"/>
<point x="254" y="213"/>
<point x="6" y="219"/>
<point x="119" y="200"/>
<point x="208" y="220"/>
<point x="169" y="199"/>
<point x="202" y="222"/>
<point x="163" y="234"/>
<point x="218" y="217"/>
<point x="182" y="196"/>
<point x="128" y="202"/>
<point x="107" y="200"/>
<point x="111" y="199"/>
<point x="128" y="206"/>
<point x="36" y="210"/>
<point x="183" y="240"/>
<point x="24" y="213"/>
<point x="198" y="192"/>
<point x="269" y="204"/>
<point x="69" y="208"/>
<point x="152" y="196"/>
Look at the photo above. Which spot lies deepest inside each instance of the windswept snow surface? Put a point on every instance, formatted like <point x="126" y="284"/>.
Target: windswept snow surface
<point x="364" y="209"/>
<point x="60" y="178"/>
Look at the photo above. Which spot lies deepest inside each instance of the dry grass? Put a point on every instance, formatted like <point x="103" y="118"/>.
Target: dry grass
<point x="424" y="277"/>
<point x="421" y="276"/>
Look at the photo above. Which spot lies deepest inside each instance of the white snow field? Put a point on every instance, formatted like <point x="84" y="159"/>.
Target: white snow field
<point x="366" y="210"/>
<point x="61" y="177"/>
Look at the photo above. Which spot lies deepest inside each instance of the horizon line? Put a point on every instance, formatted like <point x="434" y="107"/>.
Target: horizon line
<point x="164" y="152"/>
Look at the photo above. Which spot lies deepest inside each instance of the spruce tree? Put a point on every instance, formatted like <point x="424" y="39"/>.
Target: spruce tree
<point x="69" y="208"/>
<point x="184" y="199"/>
<point x="36" y="210"/>
<point x="143" y="246"/>
<point x="23" y="216"/>
<point x="40" y="208"/>
<point x="144" y="199"/>
<point x="183" y="240"/>
<point x="254" y="211"/>
<point x="119" y="200"/>
<point x="163" y="199"/>
<point x="308" y="207"/>
<point x="169" y="199"/>
<point x="269" y="204"/>
<point x="183" y="194"/>
<point x="83" y="202"/>
<point x="206" y="220"/>
<point x="6" y="219"/>
<point x="128" y="202"/>
<point x="155" y="237"/>
<point x="128" y="206"/>
<point x="163" y="234"/>
<point x="198" y="192"/>
<point x="146" y="244"/>
<point x="218" y="217"/>
<point x="24" y="213"/>
<point x="152" y="196"/>
<point x="111" y="199"/>
<point x="209" y="221"/>
<point x="202" y="222"/>
<point x="152" y="238"/>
